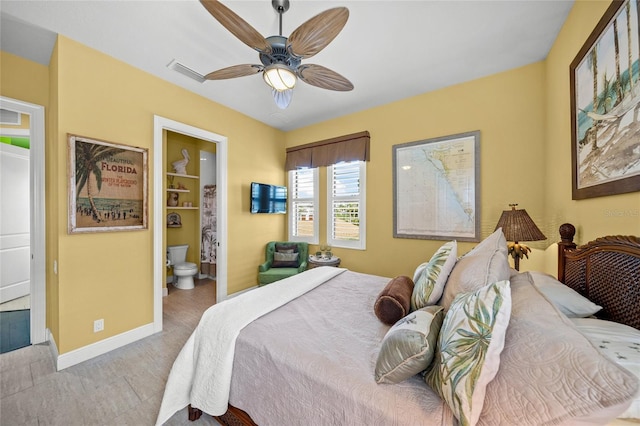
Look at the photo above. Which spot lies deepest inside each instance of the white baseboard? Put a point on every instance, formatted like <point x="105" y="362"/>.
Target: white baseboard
<point x="102" y="347"/>
<point x="165" y="291"/>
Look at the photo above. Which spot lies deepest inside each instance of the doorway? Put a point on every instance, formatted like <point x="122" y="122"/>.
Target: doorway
<point x="36" y="252"/>
<point x="161" y="126"/>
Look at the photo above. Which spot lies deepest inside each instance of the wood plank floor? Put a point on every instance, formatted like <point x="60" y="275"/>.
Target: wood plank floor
<point x="123" y="387"/>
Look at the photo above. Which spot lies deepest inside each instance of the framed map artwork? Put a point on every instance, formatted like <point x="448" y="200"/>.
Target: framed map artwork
<point x="436" y="188"/>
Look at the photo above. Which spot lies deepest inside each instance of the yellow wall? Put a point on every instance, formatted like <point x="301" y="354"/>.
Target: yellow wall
<point x="109" y="275"/>
<point x="594" y="217"/>
<point x="23" y="79"/>
<point x="507" y="108"/>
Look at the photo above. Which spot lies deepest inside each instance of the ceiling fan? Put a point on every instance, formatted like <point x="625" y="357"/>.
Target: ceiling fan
<point x="281" y="57"/>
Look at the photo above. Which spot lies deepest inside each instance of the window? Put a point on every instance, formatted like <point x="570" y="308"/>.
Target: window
<point x="303" y="205"/>
<point x="346" y="205"/>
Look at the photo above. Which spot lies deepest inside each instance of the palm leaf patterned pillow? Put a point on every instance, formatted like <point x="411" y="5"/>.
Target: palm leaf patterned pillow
<point x="430" y="277"/>
<point x="469" y="346"/>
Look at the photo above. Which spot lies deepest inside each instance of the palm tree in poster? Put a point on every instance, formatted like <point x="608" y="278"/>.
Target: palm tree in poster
<point x="88" y="156"/>
<point x="607" y="98"/>
<point x="616" y="45"/>
<point x="592" y="63"/>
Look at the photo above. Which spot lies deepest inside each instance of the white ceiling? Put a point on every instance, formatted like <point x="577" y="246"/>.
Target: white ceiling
<point x="389" y="50"/>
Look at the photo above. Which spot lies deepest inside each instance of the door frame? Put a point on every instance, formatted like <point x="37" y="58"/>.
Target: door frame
<point x="37" y="220"/>
<point x="159" y="254"/>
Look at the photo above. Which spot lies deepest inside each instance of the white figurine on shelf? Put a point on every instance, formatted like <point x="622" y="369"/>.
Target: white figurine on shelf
<point x="180" y="166"/>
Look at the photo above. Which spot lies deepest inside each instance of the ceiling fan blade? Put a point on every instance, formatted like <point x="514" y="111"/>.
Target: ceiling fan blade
<point x="234" y="71"/>
<point x="315" y="34"/>
<point x="237" y="26"/>
<point x="322" y="77"/>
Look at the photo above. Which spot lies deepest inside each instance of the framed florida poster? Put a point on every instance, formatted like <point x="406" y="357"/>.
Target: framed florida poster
<point x="108" y="186"/>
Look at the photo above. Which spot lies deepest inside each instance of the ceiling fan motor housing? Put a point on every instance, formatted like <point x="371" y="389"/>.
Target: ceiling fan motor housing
<point x="280" y="6"/>
<point x="279" y="54"/>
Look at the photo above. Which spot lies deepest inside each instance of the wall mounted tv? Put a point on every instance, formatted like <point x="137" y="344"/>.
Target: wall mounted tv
<point x="268" y="198"/>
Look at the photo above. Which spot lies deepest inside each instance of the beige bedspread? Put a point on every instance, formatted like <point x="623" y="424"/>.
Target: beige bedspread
<point x="201" y="374"/>
<point x="324" y="367"/>
<point x="299" y="366"/>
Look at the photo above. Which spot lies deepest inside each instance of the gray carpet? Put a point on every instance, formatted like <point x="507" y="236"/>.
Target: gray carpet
<point x="123" y="387"/>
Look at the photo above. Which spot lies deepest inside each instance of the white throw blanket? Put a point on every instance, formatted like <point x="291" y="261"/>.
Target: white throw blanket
<point x="201" y="374"/>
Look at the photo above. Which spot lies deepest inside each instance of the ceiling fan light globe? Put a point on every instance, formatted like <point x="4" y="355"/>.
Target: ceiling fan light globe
<point x="282" y="98"/>
<point x="279" y="77"/>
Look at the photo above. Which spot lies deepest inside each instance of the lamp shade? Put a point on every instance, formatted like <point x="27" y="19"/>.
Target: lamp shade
<point x="518" y="226"/>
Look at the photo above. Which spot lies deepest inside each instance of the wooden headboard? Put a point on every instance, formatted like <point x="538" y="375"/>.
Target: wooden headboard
<point x="606" y="271"/>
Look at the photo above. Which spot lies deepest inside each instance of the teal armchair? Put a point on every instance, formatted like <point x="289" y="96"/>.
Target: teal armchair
<point x="271" y="271"/>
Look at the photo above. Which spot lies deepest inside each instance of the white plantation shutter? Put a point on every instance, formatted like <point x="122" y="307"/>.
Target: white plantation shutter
<point x="303" y="205"/>
<point x="346" y="205"/>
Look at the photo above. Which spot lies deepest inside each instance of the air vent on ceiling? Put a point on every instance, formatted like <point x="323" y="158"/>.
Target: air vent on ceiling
<point x="10" y="117"/>
<point x="186" y="71"/>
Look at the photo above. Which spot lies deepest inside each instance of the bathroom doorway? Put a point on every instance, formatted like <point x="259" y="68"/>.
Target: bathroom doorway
<point x="191" y="211"/>
<point x="163" y="126"/>
<point x="22" y="241"/>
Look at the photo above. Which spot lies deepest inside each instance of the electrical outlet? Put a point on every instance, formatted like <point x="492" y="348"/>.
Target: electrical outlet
<point x="98" y="325"/>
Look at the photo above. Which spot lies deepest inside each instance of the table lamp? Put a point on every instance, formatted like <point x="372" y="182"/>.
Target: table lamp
<point x="518" y="226"/>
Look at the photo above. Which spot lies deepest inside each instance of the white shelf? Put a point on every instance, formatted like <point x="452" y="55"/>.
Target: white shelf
<point x="182" y="208"/>
<point x="177" y="190"/>
<point x="184" y="176"/>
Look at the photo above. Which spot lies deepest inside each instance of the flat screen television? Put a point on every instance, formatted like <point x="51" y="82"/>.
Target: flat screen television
<point x="268" y="198"/>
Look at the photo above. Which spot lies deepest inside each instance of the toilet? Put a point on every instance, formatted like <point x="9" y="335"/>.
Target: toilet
<point x="183" y="271"/>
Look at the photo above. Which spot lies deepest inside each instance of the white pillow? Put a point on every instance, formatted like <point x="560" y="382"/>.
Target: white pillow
<point x="431" y="276"/>
<point x="486" y="263"/>
<point x="567" y="300"/>
<point x="469" y="346"/>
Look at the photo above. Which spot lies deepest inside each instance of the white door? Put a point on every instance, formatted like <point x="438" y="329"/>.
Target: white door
<point x="15" y="209"/>
<point x="36" y="217"/>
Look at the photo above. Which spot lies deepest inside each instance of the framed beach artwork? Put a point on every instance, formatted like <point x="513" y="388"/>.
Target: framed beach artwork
<point x="436" y="188"/>
<point x="107" y="186"/>
<point x="605" y="106"/>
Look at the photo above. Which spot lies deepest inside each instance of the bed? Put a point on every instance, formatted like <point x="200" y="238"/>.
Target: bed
<point x="304" y="350"/>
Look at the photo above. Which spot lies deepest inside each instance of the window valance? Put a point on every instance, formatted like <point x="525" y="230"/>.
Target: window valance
<point x="353" y="147"/>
